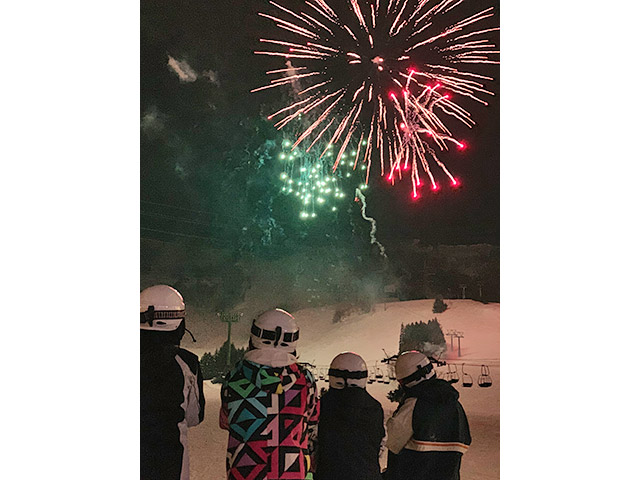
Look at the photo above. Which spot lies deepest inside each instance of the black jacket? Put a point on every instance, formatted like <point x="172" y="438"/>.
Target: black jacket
<point x="171" y="400"/>
<point x="350" y="430"/>
<point x="439" y="434"/>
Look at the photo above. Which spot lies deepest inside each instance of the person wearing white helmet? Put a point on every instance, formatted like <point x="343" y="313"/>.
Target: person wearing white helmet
<point x="171" y="395"/>
<point x="269" y="405"/>
<point x="351" y="424"/>
<point x="428" y="433"/>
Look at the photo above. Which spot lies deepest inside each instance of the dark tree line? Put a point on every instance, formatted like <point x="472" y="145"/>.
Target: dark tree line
<point x="215" y="366"/>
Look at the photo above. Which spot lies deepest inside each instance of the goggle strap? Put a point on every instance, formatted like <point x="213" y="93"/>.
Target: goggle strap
<point x="347" y="374"/>
<point x="418" y="374"/>
<point x="287" y="337"/>
<point x="152" y="314"/>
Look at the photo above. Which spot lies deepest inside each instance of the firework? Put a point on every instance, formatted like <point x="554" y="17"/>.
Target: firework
<point x="387" y="74"/>
<point x="317" y="186"/>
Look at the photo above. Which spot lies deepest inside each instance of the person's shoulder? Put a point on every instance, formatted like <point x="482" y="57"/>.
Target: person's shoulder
<point x="306" y="373"/>
<point x="186" y="354"/>
<point x="242" y="369"/>
<point x="304" y="370"/>
<point x="373" y="402"/>
<point x="188" y="357"/>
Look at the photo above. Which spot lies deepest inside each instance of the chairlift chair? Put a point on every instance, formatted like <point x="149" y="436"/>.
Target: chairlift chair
<point x="467" y="380"/>
<point x="391" y="371"/>
<point x="453" y="374"/>
<point x="484" y="380"/>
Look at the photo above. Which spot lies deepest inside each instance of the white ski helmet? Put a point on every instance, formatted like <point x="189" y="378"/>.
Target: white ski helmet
<point x="161" y="308"/>
<point x="348" y="369"/>
<point x="275" y="329"/>
<point x="413" y="368"/>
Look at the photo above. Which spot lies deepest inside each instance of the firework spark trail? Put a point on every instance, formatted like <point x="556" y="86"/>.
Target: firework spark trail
<point x="372" y="234"/>
<point x="312" y="181"/>
<point x="361" y="55"/>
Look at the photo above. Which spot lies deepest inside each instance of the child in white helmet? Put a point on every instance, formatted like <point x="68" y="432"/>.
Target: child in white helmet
<point x="351" y="424"/>
<point x="428" y="433"/>
<point x="171" y="395"/>
<point x="269" y="405"/>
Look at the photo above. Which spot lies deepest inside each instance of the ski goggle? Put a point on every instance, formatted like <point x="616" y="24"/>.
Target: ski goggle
<point x="275" y="335"/>
<point x="347" y="374"/>
<point x="152" y="314"/>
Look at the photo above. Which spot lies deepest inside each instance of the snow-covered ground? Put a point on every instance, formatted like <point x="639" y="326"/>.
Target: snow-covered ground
<point x="368" y="335"/>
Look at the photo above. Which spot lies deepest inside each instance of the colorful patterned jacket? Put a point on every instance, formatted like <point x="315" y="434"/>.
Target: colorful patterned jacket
<point x="269" y="406"/>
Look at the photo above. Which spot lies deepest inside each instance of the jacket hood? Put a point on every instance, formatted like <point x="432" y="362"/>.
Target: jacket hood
<point x="434" y="390"/>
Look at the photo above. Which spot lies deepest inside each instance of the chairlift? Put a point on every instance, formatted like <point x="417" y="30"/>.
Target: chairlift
<point x="484" y="380"/>
<point x="453" y="376"/>
<point x="467" y="380"/>
<point x="372" y="378"/>
<point x="378" y="371"/>
<point x="391" y="371"/>
<point x="386" y="380"/>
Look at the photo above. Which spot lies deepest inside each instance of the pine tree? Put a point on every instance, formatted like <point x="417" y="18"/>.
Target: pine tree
<point x="427" y="338"/>
<point x="207" y="366"/>
<point x="215" y="366"/>
<point x="435" y="334"/>
<point x="438" y="305"/>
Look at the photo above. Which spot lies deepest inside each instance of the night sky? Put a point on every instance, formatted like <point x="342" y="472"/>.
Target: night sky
<point x="197" y="136"/>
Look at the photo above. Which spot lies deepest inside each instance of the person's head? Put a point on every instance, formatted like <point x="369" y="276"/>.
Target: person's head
<point x="162" y="314"/>
<point x="347" y="369"/>
<point x="413" y="368"/>
<point x="274" y="329"/>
